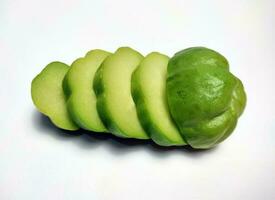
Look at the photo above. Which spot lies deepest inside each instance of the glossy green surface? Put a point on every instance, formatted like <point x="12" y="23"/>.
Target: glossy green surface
<point x="149" y="94"/>
<point x="112" y="86"/>
<point x="78" y="86"/>
<point x="48" y="96"/>
<point x="204" y="98"/>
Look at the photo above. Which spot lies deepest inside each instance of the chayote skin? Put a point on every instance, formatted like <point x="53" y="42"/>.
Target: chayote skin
<point x="204" y="98"/>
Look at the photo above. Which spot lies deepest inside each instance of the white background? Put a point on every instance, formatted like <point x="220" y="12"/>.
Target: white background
<point x="38" y="161"/>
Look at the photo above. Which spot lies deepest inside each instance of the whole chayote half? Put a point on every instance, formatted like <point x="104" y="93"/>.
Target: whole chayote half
<point x="204" y="98"/>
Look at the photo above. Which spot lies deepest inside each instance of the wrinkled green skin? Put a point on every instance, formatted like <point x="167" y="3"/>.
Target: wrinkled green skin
<point x="204" y="98"/>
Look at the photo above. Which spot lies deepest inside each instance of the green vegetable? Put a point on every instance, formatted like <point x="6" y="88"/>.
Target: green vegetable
<point x="78" y="86"/>
<point x="148" y="91"/>
<point x="48" y="96"/>
<point x="204" y="98"/>
<point x="112" y="85"/>
<point x="189" y="99"/>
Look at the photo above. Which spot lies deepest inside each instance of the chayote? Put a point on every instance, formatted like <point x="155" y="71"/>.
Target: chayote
<point x="204" y="98"/>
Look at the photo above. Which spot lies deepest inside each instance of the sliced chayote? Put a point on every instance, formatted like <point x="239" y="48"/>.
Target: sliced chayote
<point x="191" y="98"/>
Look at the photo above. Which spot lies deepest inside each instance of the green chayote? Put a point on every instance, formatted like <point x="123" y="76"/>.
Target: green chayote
<point x="204" y="98"/>
<point x="189" y="99"/>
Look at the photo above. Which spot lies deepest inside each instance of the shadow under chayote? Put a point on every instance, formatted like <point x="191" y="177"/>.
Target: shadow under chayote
<point x="89" y="140"/>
